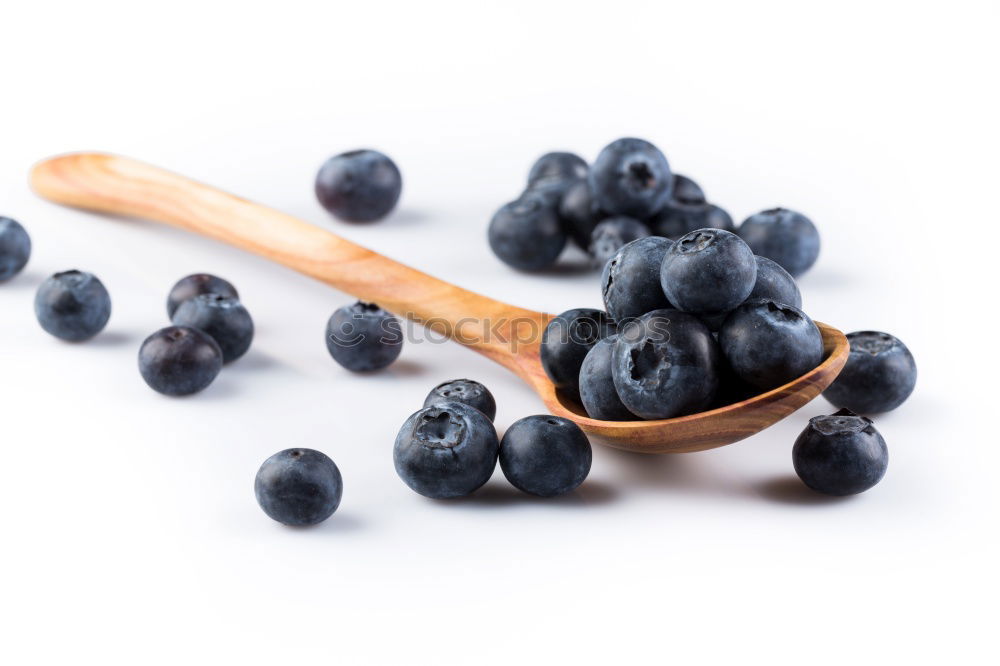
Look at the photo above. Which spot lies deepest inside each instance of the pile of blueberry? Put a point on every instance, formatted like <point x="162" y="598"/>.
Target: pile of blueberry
<point x="689" y="324"/>
<point x="629" y="193"/>
<point x="449" y="448"/>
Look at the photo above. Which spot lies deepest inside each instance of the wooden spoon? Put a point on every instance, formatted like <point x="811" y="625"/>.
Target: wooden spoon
<point x="506" y="334"/>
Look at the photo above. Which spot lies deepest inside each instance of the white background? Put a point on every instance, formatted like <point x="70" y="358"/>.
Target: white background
<point x="130" y="530"/>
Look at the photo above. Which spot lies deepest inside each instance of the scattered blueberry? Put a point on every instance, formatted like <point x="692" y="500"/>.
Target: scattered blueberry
<point x="708" y="271"/>
<point x="179" y="361"/>
<point x="612" y="234"/>
<point x="597" y="388"/>
<point x="363" y="337"/>
<point x="359" y="186"/>
<point x="879" y="375"/>
<point x="545" y="455"/>
<point x="527" y="233"/>
<point x="579" y="213"/>
<point x="665" y="364"/>
<point x="557" y="167"/>
<point x="686" y="190"/>
<point x="73" y="305"/>
<point x="566" y="341"/>
<point x="768" y="344"/>
<point x="15" y="248"/>
<point x="840" y="454"/>
<point x="196" y="285"/>
<point x="465" y="391"/>
<point x="775" y="283"/>
<point x="446" y="450"/>
<point x="631" y="177"/>
<point x="680" y="217"/>
<point x="298" y="487"/>
<point x="222" y="317"/>
<point x="630" y="283"/>
<point x="788" y="238"/>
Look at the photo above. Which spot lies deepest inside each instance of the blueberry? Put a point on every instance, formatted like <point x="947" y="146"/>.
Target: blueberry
<point x="613" y="234"/>
<point x="579" y="213"/>
<point x="774" y="283"/>
<point x="768" y="344"/>
<point x="195" y="285"/>
<point x="566" y="341"/>
<point x="680" y="217"/>
<point x="359" y="186"/>
<point x="630" y="283"/>
<point x="298" y="487"/>
<point x="446" y="450"/>
<point x="224" y="318"/>
<point x="545" y="455"/>
<point x="597" y="388"/>
<point x="708" y="271"/>
<point x="665" y="364"/>
<point x="631" y="177"/>
<point x="363" y="337"/>
<point x="840" y="454"/>
<point x="15" y="248"/>
<point x="73" y="305"/>
<point x="465" y="391"/>
<point x="557" y="167"/>
<point x="879" y="375"/>
<point x="178" y="360"/>
<point x="788" y="238"/>
<point x="686" y="190"/>
<point x="527" y="234"/>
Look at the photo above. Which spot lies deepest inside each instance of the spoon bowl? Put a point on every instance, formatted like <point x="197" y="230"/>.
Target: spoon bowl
<point x="504" y="333"/>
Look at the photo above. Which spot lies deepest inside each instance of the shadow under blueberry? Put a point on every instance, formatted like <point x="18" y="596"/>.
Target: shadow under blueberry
<point x="113" y="338"/>
<point x="502" y="494"/>
<point x="790" y="490"/>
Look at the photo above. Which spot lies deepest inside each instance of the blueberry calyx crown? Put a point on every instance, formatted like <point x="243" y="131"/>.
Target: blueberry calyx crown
<point x="695" y="242"/>
<point x="440" y="429"/>
<point x="842" y="422"/>
<point x="873" y="342"/>
<point x="648" y="363"/>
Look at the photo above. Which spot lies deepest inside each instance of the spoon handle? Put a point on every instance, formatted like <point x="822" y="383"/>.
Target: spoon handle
<point x="122" y="186"/>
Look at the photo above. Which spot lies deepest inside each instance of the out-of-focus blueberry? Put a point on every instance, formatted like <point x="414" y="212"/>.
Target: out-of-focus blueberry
<point x="630" y="283"/>
<point x="224" y="318"/>
<point x="446" y="450"/>
<point x="359" y="186"/>
<point x="708" y="271"/>
<point x="566" y="341"/>
<point x="768" y="344"/>
<point x="665" y="364"/>
<point x="465" y="391"/>
<point x="179" y="361"/>
<point x="579" y="213"/>
<point x="545" y="455"/>
<point x="879" y="375"/>
<point x="527" y="234"/>
<point x="788" y="238"/>
<point x="612" y="234"/>
<point x="686" y="190"/>
<point x="363" y="337"/>
<point x="631" y="177"/>
<point x="299" y="487"/>
<point x="72" y="305"/>
<point x="597" y="386"/>
<point x="679" y="218"/>
<point x="840" y="454"/>
<point x="15" y="248"/>
<point x="558" y="167"/>
<point x="196" y="285"/>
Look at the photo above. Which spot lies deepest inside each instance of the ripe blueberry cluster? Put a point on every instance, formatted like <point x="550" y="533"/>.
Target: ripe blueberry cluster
<point x="210" y="327"/>
<point x="450" y="448"/>
<point x="629" y="192"/>
<point x="687" y="323"/>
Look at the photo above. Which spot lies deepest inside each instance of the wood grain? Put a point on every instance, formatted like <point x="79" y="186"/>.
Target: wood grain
<point x="505" y="333"/>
